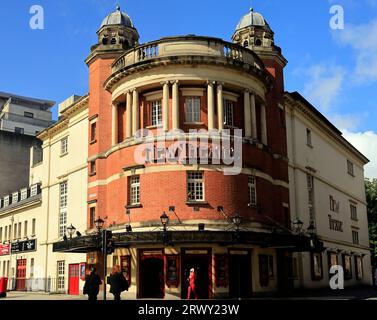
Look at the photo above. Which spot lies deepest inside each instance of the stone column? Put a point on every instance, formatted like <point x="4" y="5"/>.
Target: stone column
<point x="165" y="106"/>
<point x="220" y="107"/>
<point x="135" y="112"/>
<point x="114" y="122"/>
<point x="211" y="105"/>
<point x="254" y="132"/>
<point x="247" y="113"/>
<point x="175" y="113"/>
<point x="129" y="116"/>
<point x="263" y="124"/>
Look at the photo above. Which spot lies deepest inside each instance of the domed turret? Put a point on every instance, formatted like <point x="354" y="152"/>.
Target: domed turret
<point x="254" y="32"/>
<point x="117" y="31"/>
<point x="118" y="18"/>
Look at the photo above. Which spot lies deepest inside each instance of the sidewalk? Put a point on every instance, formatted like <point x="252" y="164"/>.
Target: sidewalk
<point x="361" y="293"/>
<point x="356" y="293"/>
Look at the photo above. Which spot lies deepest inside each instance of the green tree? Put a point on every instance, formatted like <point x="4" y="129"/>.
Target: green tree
<point x="371" y="195"/>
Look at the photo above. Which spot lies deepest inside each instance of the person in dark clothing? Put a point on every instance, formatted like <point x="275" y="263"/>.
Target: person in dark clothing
<point x="118" y="283"/>
<point x="91" y="286"/>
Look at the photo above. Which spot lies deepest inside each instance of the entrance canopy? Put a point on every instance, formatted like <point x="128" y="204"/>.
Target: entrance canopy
<point x="286" y="241"/>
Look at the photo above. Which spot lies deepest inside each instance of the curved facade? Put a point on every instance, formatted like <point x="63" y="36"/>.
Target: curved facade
<point x="191" y="91"/>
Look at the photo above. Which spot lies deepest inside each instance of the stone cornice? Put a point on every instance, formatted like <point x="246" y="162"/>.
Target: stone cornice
<point x="62" y="124"/>
<point x="335" y="134"/>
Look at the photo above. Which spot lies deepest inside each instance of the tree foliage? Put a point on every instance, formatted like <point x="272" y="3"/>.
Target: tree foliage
<point x="371" y="196"/>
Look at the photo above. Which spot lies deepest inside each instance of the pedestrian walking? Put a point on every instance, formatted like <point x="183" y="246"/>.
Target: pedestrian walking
<point x="118" y="283"/>
<point x="192" y="285"/>
<point x="92" y="283"/>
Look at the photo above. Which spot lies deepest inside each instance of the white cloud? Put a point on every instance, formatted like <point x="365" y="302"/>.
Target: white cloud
<point x="324" y="84"/>
<point x="366" y="143"/>
<point x="362" y="38"/>
<point x="347" y="121"/>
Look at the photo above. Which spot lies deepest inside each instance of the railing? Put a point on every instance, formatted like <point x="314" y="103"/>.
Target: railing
<point x="49" y="285"/>
<point x="187" y="45"/>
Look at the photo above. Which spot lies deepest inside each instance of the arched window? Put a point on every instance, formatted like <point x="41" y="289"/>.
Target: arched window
<point x="104" y="41"/>
<point x="113" y="41"/>
<point x="246" y="44"/>
<point x="258" y="42"/>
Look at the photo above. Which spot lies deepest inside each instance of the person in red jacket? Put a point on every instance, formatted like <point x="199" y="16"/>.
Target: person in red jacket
<point x="192" y="285"/>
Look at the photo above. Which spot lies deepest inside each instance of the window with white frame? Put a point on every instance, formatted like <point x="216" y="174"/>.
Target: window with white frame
<point x="15" y="231"/>
<point x="6" y="201"/>
<point x="252" y="191"/>
<point x="334" y="205"/>
<point x="33" y="227"/>
<point x="192" y="107"/>
<point x="19" y="230"/>
<point x="134" y="190"/>
<point x="310" y="187"/>
<point x="6" y="233"/>
<point x="33" y="190"/>
<point x="23" y="194"/>
<point x="63" y="208"/>
<point x="309" y="137"/>
<point x="195" y="186"/>
<point x="25" y="229"/>
<point x="64" y="146"/>
<point x="350" y="168"/>
<point x="15" y="197"/>
<point x="229" y="113"/>
<point x="156" y="108"/>
<point x="61" y="276"/>
<point x="353" y="210"/>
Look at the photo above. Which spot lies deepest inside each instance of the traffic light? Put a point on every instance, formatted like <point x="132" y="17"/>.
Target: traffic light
<point x="110" y="244"/>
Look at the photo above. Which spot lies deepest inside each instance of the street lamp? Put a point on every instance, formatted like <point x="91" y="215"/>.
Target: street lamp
<point x="71" y="230"/>
<point x="298" y="224"/>
<point x="102" y="232"/>
<point x="164" y="220"/>
<point x="99" y="224"/>
<point x="237" y="220"/>
<point x="312" y="232"/>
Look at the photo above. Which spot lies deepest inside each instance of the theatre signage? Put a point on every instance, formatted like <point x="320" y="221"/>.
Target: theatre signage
<point x="4" y="249"/>
<point x="24" y="246"/>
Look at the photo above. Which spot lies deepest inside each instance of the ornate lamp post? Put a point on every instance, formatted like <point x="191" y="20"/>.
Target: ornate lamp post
<point x="298" y="224"/>
<point x="237" y="220"/>
<point x="103" y="234"/>
<point x="312" y="233"/>
<point x="71" y="230"/>
<point x="164" y="221"/>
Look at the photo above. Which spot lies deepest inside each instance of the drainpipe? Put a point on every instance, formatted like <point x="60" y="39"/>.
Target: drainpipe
<point x="48" y="210"/>
<point x="10" y="248"/>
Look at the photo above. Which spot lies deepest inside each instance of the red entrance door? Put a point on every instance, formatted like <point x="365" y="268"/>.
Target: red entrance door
<point x="21" y="275"/>
<point x="74" y="277"/>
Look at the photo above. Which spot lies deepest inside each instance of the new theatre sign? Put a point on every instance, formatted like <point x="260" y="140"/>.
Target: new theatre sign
<point x="24" y="246"/>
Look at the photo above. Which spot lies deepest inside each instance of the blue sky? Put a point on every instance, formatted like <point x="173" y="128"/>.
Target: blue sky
<point x="334" y="69"/>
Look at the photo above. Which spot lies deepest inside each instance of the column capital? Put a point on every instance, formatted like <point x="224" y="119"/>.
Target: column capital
<point x="133" y="90"/>
<point x="246" y="91"/>
<point x="116" y="104"/>
<point x="211" y="82"/>
<point x="174" y="81"/>
<point x="163" y="83"/>
<point x="220" y="84"/>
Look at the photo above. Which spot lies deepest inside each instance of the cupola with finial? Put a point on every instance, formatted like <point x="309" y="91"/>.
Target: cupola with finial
<point x="254" y="32"/>
<point x="116" y="34"/>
